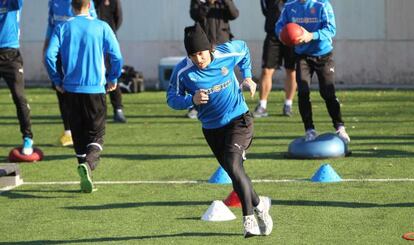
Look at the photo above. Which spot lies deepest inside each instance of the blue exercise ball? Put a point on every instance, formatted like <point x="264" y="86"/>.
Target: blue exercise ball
<point x="324" y="146"/>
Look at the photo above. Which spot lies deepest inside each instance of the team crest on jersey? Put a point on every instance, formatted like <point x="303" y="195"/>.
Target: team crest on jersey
<point x="224" y="71"/>
<point x="313" y="11"/>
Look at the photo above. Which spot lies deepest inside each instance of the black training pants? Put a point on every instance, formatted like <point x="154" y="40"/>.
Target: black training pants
<point x="11" y="69"/>
<point x="87" y="115"/>
<point x="228" y="145"/>
<point x="324" y="67"/>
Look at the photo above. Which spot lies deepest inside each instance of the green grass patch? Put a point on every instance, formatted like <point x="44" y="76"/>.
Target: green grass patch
<point x="158" y="143"/>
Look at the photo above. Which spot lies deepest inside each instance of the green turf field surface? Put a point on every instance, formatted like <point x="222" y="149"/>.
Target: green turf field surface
<point x="159" y="144"/>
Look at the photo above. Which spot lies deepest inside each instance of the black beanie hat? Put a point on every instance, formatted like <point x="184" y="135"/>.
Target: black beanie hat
<point x="195" y="39"/>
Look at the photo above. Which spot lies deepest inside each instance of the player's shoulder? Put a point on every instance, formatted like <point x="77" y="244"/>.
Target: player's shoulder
<point x="321" y="2"/>
<point x="229" y="47"/>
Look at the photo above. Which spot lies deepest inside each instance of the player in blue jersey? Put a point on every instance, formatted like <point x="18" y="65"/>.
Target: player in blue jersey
<point x="82" y="42"/>
<point x="274" y="55"/>
<point x="314" y="55"/>
<point x="59" y="12"/>
<point x="206" y="80"/>
<point x="11" y="66"/>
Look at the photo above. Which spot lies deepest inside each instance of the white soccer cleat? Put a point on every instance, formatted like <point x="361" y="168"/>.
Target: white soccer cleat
<point x="251" y="228"/>
<point x="264" y="219"/>
<point x="343" y="135"/>
<point x="310" y="135"/>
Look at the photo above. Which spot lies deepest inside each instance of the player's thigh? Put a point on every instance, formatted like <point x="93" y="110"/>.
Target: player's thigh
<point x="272" y="56"/>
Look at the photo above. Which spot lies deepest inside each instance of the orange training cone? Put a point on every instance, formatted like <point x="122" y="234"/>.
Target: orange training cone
<point x="233" y="200"/>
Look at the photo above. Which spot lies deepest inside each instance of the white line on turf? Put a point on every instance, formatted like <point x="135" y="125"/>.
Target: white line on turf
<point x="202" y="181"/>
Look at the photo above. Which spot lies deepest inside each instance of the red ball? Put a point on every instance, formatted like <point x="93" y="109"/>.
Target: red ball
<point x="16" y="155"/>
<point x="290" y="34"/>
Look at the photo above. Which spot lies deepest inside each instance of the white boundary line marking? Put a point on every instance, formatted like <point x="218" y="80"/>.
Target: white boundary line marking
<point x="203" y="182"/>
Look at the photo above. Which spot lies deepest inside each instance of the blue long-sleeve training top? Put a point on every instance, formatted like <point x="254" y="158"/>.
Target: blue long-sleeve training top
<point x="82" y="42"/>
<point x="226" y="100"/>
<point x="10" y="23"/>
<point x="60" y="11"/>
<point x="317" y="17"/>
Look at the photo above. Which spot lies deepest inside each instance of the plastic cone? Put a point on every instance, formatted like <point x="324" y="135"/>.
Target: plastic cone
<point x="218" y="212"/>
<point x="326" y="174"/>
<point x="220" y="177"/>
<point x="233" y="200"/>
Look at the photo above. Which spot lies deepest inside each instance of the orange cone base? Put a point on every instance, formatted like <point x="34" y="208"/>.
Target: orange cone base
<point x="16" y="155"/>
<point x="233" y="200"/>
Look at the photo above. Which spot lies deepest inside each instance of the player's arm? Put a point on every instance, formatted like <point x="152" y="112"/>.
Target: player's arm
<point x="244" y="63"/>
<point x="328" y="30"/>
<point x="283" y="20"/>
<point x="177" y="98"/>
<point x="198" y="10"/>
<point x="232" y="12"/>
<point x="112" y="49"/>
<point x="50" y="58"/>
<point x="118" y="15"/>
<point x="263" y="6"/>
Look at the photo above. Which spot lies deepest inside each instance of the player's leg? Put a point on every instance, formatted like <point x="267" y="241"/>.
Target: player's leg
<point x="11" y="68"/>
<point x="66" y="138"/>
<point x="116" y="101"/>
<point x="270" y="61"/>
<point x="304" y="71"/>
<point x="290" y="80"/>
<point x="77" y="121"/>
<point x="326" y="76"/>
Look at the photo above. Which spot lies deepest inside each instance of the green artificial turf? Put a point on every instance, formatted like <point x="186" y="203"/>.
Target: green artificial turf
<point x="159" y="144"/>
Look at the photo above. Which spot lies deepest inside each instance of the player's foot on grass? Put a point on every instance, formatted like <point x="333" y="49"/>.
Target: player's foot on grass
<point x="287" y="110"/>
<point x="342" y="134"/>
<point x="260" y="112"/>
<point x="66" y="139"/>
<point x="251" y="228"/>
<point x="85" y="174"/>
<point x="119" y="116"/>
<point x="27" y="148"/>
<point x="264" y="219"/>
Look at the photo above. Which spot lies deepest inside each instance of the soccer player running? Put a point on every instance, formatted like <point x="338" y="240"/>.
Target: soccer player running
<point x="59" y="12"/>
<point x="11" y="66"/>
<point x="274" y="55"/>
<point x="314" y="55"/>
<point x="206" y="80"/>
<point x="82" y="42"/>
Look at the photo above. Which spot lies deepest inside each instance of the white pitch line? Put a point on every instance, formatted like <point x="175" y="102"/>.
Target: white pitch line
<point x="203" y="182"/>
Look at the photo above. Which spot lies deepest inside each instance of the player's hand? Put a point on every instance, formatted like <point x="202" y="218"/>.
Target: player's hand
<point x="251" y="85"/>
<point x="211" y="1"/>
<point x="200" y="97"/>
<point x="60" y="89"/>
<point x="306" y="36"/>
<point x="110" y="87"/>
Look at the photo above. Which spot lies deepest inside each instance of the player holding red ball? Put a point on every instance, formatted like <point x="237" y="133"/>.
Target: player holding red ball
<point x="314" y="55"/>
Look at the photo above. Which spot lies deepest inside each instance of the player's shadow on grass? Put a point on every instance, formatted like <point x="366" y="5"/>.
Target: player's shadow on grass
<point x="30" y="194"/>
<point x="340" y="204"/>
<point x="382" y="153"/>
<point x="139" y="204"/>
<point x="126" y="238"/>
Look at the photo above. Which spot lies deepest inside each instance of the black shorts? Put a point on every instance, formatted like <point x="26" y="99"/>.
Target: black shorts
<point x="234" y="137"/>
<point x="275" y="54"/>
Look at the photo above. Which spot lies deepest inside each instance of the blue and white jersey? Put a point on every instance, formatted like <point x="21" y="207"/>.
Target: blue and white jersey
<point x="226" y="100"/>
<point x="82" y="43"/>
<point x="317" y="17"/>
<point x="10" y="23"/>
<point x="60" y="11"/>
